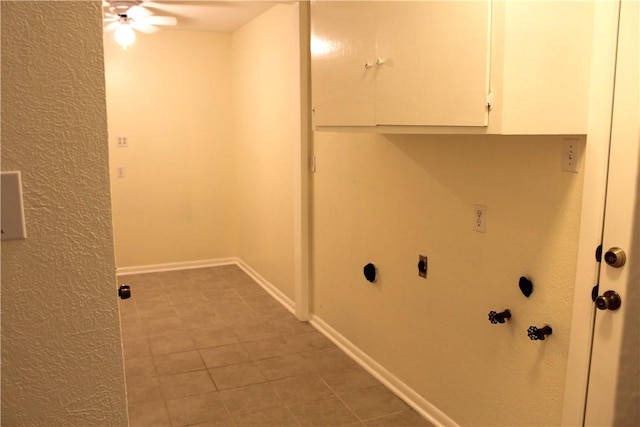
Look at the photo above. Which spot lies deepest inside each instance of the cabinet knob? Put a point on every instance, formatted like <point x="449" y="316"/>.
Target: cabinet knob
<point x="367" y="65"/>
<point x="379" y="62"/>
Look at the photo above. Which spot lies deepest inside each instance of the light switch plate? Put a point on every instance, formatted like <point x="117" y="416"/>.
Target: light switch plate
<point x="12" y="211"/>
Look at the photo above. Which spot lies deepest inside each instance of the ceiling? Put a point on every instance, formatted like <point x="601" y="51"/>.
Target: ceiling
<point x="213" y="16"/>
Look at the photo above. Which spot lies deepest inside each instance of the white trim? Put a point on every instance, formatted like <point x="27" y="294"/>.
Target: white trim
<point x="185" y="265"/>
<point x="591" y="218"/>
<point x="267" y="286"/>
<point x="402" y="390"/>
<point x="301" y="179"/>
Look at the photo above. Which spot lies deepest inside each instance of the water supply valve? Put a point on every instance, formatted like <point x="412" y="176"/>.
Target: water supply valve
<point x="536" y="334"/>
<point x="495" y="317"/>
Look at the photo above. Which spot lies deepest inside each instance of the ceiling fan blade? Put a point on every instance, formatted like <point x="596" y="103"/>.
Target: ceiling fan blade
<point x="143" y="27"/>
<point x="109" y="17"/>
<point x="138" y="12"/>
<point x="112" y="26"/>
<point x="161" y="20"/>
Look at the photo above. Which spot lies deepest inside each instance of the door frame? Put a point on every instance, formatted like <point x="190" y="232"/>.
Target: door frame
<point x="302" y="179"/>
<point x="605" y="34"/>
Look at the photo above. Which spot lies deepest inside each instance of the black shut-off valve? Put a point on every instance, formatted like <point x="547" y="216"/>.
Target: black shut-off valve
<point x="536" y="333"/>
<point x="124" y="291"/>
<point x="495" y="317"/>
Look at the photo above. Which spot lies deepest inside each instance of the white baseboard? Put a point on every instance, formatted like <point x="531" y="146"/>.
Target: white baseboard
<point x="402" y="390"/>
<point x="124" y="271"/>
<point x="267" y="286"/>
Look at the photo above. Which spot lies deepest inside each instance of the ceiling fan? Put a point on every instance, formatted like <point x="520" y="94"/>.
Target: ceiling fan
<point x="125" y="16"/>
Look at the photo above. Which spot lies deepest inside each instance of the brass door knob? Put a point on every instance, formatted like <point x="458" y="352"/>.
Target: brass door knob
<point x="615" y="257"/>
<point x="610" y="300"/>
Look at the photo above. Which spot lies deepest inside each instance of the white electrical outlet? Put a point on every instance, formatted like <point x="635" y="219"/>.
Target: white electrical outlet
<point x="123" y="142"/>
<point x="570" y="154"/>
<point x="480" y="218"/>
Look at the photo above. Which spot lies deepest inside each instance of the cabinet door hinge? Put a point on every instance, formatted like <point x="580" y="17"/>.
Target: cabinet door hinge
<point x="489" y="101"/>
<point x="312" y="164"/>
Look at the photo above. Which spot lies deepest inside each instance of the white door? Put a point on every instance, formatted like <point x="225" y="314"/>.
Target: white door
<point x="613" y="396"/>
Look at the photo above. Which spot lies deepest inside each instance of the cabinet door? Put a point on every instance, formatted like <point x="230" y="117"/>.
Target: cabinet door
<point x="342" y="42"/>
<point x="436" y="62"/>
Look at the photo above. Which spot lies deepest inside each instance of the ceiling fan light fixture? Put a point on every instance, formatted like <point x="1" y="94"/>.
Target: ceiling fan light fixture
<point x="127" y="17"/>
<point x="124" y="34"/>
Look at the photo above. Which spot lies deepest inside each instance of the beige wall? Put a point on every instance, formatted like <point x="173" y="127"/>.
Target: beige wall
<point x="387" y="199"/>
<point x="213" y="122"/>
<point x="170" y="94"/>
<point x="61" y="352"/>
<point x="266" y="96"/>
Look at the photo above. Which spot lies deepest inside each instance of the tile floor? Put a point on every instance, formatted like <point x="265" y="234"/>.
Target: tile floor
<point x="209" y="347"/>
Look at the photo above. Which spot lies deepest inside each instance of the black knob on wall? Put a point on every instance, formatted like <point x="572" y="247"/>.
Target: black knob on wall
<point x="526" y="286"/>
<point x="124" y="291"/>
<point x="370" y="272"/>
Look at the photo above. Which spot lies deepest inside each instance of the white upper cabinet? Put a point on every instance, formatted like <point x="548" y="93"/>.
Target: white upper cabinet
<point x="433" y="66"/>
<point x="343" y="55"/>
<point x="541" y="66"/>
<point x="413" y="63"/>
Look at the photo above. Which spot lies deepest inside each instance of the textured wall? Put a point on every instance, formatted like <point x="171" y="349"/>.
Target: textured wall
<point x="386" y="199"/>
<point x="170" y="94"/>
<point x="266" y="95"/>
<point x="61" y="352"/>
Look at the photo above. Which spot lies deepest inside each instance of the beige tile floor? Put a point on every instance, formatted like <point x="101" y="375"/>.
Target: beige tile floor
<point x="209" y="347"/>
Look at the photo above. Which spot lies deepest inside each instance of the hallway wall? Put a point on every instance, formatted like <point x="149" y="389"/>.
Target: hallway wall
<point x="170" y="95"/>
<point x="213" y="122"/>
<point x="266" y="100"/>
<point x="61" y="352"/>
